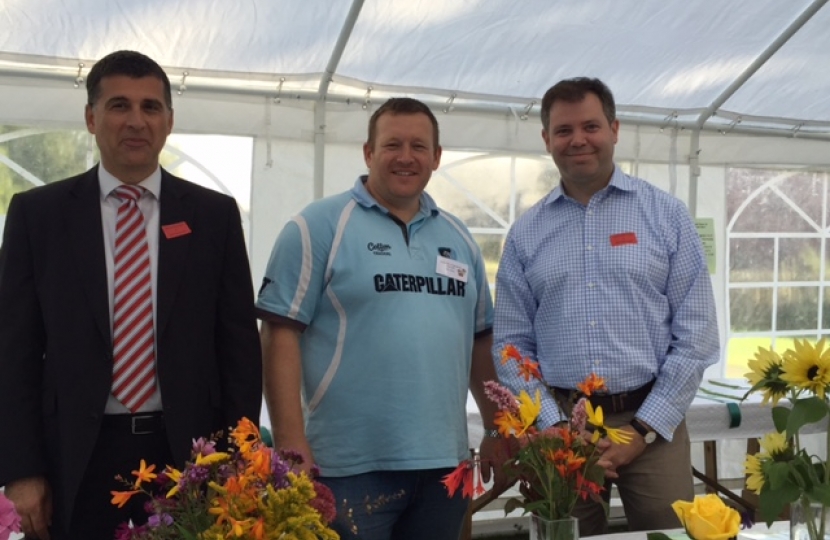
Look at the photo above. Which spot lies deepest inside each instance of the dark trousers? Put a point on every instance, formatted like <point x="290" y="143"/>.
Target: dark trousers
<point x="117" y="452"/>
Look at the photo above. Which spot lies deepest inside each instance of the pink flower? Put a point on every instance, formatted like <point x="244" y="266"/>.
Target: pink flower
<point x="579" y="416"/>
<point x="501" y="396"/>
<point x="9" y="518"/>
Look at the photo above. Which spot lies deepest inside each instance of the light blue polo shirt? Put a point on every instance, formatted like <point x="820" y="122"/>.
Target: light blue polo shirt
<point x="387" y="347"/>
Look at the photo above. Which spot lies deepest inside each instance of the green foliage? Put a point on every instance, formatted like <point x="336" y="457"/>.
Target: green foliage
<point x="47" y="156"/>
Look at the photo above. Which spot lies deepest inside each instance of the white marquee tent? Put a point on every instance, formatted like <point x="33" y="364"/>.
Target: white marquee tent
<point x="703" y="86"/>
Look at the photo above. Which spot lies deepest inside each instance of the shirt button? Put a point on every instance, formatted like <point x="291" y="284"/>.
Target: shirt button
<point x="589" y="247"/>
<point x="591" y="285"/>
<point x="593" y="323"/>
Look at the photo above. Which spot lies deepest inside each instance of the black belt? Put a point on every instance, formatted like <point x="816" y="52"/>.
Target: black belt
<point x="134" y="424"/>
<point x="610" y="403"/>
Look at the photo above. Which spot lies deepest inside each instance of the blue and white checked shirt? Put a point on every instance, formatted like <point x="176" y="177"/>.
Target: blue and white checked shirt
<point x="619" y="287"/>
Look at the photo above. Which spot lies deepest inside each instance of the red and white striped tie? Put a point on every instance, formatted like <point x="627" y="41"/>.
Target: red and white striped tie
<point x="134" y="372"/>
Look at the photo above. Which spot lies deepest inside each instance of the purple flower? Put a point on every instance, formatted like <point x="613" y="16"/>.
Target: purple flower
<point x="123" y="532"/>
<point x="157" y="519"/>
<point x="203" y="447"/>
<point x="195" y="474"/>
<point x="279" y="469"/>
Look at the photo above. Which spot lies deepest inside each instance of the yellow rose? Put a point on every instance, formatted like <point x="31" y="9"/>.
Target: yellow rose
<point x="708" y="518"/>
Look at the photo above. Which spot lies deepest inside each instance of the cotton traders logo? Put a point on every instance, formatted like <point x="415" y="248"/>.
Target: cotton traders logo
<point x="380" y="248"/>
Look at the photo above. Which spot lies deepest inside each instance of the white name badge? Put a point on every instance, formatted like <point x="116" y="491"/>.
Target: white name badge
<point x="452" y="269"/>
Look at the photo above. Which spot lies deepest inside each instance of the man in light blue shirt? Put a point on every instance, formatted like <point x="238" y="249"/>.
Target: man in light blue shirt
<point x="607" y="274"/>
<point x="377" y="318"/>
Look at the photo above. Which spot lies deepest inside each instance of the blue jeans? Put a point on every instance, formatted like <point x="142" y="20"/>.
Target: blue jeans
<point x="399" y="505"/>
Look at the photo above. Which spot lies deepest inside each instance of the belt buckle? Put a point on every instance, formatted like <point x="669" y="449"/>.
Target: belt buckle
<point x="135" y="428"/>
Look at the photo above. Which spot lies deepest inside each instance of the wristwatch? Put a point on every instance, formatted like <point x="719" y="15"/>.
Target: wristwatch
<point x="649" y="435"/>
<point x="492" y="433"/>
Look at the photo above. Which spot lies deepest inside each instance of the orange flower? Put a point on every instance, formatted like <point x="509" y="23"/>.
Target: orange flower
<point x="122" y="497"/>
<point x="566" y="462"/>
<point x="144" y="473"/>
<point x="593" y="383"/>
<point x="528" y="369"/>
<point x="258" y="529"/>
<point x="509" y="352"/>
<point x="245" y="435"/>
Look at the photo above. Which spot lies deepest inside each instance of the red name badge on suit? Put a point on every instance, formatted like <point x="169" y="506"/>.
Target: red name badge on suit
<point x="174" y="230"/>
<point x="622" y="239"/>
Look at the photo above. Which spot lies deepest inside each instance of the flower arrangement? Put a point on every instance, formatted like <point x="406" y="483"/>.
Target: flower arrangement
<point x="553" y="467"/>
<point x="9" y="518"/>
<point x="783" y="472"/>
<point x="251" y="493"/>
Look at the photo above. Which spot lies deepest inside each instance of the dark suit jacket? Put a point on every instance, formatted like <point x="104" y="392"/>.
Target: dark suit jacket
<point x="55" y="343"/>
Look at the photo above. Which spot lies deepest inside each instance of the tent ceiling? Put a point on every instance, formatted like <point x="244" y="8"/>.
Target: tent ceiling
<point x="660" y="58"/>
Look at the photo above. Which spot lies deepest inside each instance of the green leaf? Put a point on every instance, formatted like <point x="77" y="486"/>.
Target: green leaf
<point x="657" y="536"/>
<point x="511" y="505"/>
<point x="820" y="493"/>
<point x="773" y="501"/>
<point x="805" y="411"/>
<point x="780" y="415"/>
<point x="778" y="475"/>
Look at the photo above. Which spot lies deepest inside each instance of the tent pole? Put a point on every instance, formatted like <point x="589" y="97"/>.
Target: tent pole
<point x="322" y="92"/>
<point x="778" y="42"/>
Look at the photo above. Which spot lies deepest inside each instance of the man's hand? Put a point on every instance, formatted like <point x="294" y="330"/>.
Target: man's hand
<point x="494" y="453"/>
<point x="32" y="498"/>
<point x="613" y="455"/>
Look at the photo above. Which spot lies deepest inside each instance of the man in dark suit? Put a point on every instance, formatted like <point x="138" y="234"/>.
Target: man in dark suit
<point x="127" y="323"/>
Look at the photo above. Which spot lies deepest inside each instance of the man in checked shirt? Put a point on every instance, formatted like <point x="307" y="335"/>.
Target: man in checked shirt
<point x="607" y="275"/>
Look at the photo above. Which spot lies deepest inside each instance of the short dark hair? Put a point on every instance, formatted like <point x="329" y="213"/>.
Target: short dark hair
<point x="130" y="63"/>
<point x="574" y="91"/>
<point x="401" y="105"/>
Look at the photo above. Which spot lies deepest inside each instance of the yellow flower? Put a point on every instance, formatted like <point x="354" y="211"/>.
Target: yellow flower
<point x="619" y="436"/>
<point x="766" y="371"/>
<point x="808" y="366"/>
<point x="210" y="459"/>
<point x="752" y="467"/>
<point x="597" y="419"/>
<point x="529" y="409"/>
<point x="708" y="518"/>
<point x="175" y="475"/>
<point x="774" y="444"/>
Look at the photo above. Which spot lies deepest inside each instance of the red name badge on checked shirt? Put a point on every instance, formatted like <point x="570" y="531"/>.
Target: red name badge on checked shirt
<point x="622" y="239"/>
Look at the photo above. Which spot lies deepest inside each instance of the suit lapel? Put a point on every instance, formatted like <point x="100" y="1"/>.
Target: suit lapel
<point x="87" y="240"/>
<point x="175" y="208"/>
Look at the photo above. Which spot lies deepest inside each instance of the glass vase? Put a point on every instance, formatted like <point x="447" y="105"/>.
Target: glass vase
<point x="809" y="521"/>
<point x="555" y="529"/>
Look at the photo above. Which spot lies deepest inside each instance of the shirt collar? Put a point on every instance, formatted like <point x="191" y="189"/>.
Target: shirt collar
<point x="108" y="182"/>
<point x="619" y="180"/>
<point x="365" y="199"/>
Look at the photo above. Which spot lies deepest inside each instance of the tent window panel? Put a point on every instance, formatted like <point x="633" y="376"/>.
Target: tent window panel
<point x="799" y="259"/>
<point x="797" y="308"/>
<point x="491" y="246"/>
<point x="751" y="260"/>
<point x="750" y="309"/>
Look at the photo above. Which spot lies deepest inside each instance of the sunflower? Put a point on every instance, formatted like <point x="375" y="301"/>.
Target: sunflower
<point x="755" y="474"/>
<point x="775" y="444"/>
<point x="808" y="367"/>
<point x="766" y="375"/>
